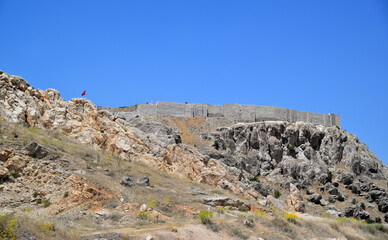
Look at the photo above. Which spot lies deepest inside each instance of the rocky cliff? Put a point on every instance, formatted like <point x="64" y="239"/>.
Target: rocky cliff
<point x="250" y="159"/>
<point x="81" y="120"/>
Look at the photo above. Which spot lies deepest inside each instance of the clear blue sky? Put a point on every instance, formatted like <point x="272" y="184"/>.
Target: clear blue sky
<point x="319" y="56"/>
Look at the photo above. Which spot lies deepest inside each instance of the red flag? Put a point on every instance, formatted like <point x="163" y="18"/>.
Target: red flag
<point x="84" y="93"/>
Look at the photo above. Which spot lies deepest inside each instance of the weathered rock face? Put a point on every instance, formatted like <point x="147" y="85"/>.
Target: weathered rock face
<point x="21" y="103"/>
<point x="282" y="154"/>
<point x="188" y="162"/>
<point x="126" y="181"/>
<point x="304" y="151"/>
<point x="79" y="118"/>
<point x="36" y="150"/>
<point x="4" y="173"/>
<point x="25" y="180"/>
<point x="356" y="212"/>
<point x="157" y="136"/>
<point x="295" y="200"/>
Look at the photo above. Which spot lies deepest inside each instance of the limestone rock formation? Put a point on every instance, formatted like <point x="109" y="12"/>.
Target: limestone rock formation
<point x="43" y="179"/>
<point x="295" y="200"/>
<point x="304" y="151"/>
<point x="188" y="162"/>
<point x="356" y="212"/>
<point x="143" y="181"/>
<point x="21" y="103"/>
<point x="249" y="159"/>
<point x="36" y="150"/>
<point x="4" y="173"/>
<point x="126" y="181"/>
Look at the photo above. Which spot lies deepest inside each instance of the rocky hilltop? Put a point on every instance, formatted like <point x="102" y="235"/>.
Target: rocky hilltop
<point x="297" y="166"/>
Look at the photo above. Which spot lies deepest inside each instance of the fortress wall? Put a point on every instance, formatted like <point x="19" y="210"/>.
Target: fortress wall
<point x="238" y="113"/>
<point x="174" y="109"/>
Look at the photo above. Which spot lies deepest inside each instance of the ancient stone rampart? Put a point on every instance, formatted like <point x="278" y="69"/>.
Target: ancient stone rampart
<point x="236" y="112"/>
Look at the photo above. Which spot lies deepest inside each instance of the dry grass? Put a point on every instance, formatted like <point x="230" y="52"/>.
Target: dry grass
<point x="187" y="136"/>
<point x="168" y="195"/>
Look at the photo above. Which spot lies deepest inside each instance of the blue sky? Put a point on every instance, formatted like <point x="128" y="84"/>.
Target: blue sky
<point x="319" y="56"/>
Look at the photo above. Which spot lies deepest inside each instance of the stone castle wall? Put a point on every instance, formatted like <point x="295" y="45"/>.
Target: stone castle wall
<point x="238" y="113"/>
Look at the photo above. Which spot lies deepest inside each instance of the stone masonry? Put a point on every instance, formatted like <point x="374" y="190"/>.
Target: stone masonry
<point x="235" y="112"/>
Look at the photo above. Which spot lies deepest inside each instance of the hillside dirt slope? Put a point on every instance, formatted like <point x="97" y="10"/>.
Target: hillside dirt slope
<point x="71" y="171"/>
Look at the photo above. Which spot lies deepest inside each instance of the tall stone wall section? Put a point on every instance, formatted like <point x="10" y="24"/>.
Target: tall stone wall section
<point x="238" y="113"/>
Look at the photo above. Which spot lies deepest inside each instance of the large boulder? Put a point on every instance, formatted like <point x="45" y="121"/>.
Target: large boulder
<point x="226" y="201"/>
<point x="143" y="181"/>
<point x="356" y="212"/>
<point x="4" y="172"/>
<point x="36" y="150"/>
<point x="5" y="153"/>
<point x="216" y="201"/>
<point x="263" y="188"/>
<point x="16" y="163"/>
<point x="126" y="181"/>
<point x="280" y="204"/>
<point x="345" y="178"/>
<point x="315" y="198"/>
<point x="333" y="191"/>
<point x="382" y="204"/>
<point x="334" y="213"/>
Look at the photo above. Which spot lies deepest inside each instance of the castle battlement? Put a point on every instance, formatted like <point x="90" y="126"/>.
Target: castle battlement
<point x="236" y="112"/>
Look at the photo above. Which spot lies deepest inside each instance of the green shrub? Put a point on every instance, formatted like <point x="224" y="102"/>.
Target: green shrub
<point x="374" y="196"/>
<point x="253" y="179"/>
<point x="362" y="205"/>
<point x="291" y="217"/>
<point x="35" y="194"/>
<point x="66" y="194"/>
<point x="205" y="217"/>
<point x="340" y="197"/>
<point x="291" y="148"/>
<point x="46" y="203"/>
<point x="348" y="181"/>
<point x="277" y="193"/>
<point x="216" y="145"/>
<point x="369" y="221"/>
<point x="8" y="228"/>
<point x="47" y="227"/>
<point x="295" y="175"/>
<point x="110" y="203"/>
<point x="354" y="190"/>
<point x="378" y="220"/>
<point x="151" y="203"/>
<point x="39" y="201"/>
<point x="14" y="173"/>
<point x="329" y="176"/>
<point x="354" y="201"/>
<point x="115" y="217"/>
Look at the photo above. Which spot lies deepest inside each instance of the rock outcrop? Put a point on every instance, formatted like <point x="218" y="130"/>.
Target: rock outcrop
<point x="295" y="200"/>
<point x="356" y="212"/>
<point x="303" y="151"/>
<point x="188" y="162"/>
<point x="281" y="154"/>
<point x="79" y="118"/>
<point x="32" y="180"/>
